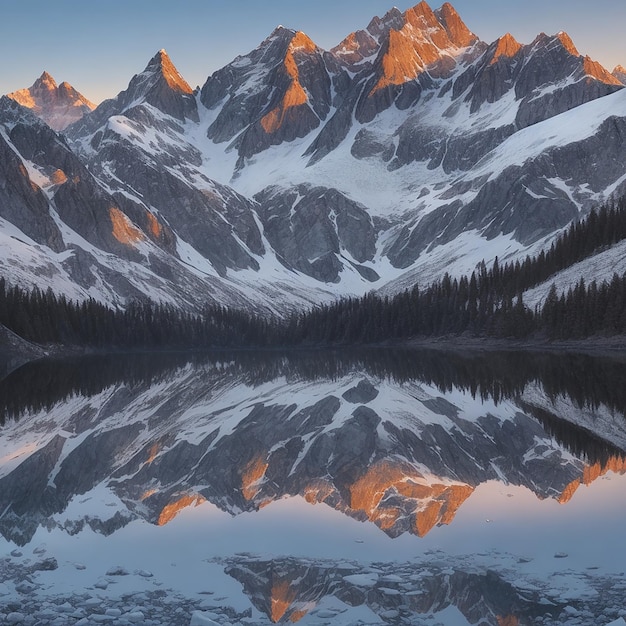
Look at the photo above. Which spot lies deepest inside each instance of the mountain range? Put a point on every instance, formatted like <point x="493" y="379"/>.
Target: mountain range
<point x="295" y="174"/>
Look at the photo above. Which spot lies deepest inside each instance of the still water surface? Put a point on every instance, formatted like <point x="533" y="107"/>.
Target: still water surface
<point x="381" y="486"/>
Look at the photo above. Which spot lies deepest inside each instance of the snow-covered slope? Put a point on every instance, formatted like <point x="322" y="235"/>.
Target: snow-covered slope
<point x="297" y="174"/>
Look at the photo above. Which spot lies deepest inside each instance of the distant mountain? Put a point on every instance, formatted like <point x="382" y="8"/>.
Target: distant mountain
<point x="620" y="73"/>
<point x="297" y="174"/>
<point x="58" y="105"/>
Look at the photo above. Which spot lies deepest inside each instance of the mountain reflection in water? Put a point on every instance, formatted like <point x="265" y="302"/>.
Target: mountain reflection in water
<point x="401" y="439"/>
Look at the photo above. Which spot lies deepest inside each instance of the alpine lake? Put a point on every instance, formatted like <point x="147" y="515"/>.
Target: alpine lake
<point x="376" y="486"/>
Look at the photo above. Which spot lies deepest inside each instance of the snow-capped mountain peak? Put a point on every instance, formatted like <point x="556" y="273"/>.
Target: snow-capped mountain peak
<point x="409" y="149"/>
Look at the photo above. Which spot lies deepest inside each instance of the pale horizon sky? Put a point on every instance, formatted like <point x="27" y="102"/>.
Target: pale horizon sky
<point x="98" y="46"/>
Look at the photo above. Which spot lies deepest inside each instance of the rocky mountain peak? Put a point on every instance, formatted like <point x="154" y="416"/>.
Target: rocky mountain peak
<point x="162" y="65"/>
<point x="593" y="69"/>
<point x="45" y="81"/>
<point x="59" y="106"/>
<point x="457" y="31"/>
<point x="381" y="25"/>
<point x="302" y="42"/>
<point x="555" y="42"/>
<point x="424" y="39"/>
<point x="567" y="43"/>
<point x="619" y="72"/>
<point x="507" y="46"/>
<point x="160" y="85"/>
<point x="295" y="94"/>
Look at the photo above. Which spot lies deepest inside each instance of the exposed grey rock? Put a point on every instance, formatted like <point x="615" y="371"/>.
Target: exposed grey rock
<point x="362" y="393"/>
<point x="367" y="144"/>
<point x="309" y="228"/>
<point x="21" y="201"/>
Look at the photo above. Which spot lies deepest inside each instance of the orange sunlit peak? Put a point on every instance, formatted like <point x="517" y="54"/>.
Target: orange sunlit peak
<point x="284" y="603"/>
<point x="507" y="46"/>
<point x="301" y="41"/>
<point x="173" y="78"/>
<point x="590" y="474"/>
<point x="567" y="43"/>
<point x="595" y="70"/>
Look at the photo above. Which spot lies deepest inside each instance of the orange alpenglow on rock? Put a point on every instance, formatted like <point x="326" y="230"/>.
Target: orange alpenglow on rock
<point x="431" y="504"/>
<point x="404" y="60"/>
<point x="58" y="106"/>
<point x="123" y="229"/>
<point x="252" y="476"/>
<point x="171" y="510"/>
<point x="282" y="598"/>
<point x="567" y="43"/>
<point x="460" y="35"/>
<point x="173" y="79"/>
<point x="425" y="39"/>
<point x="507" y="47"/>
<point x="595" y="70"/>
<point x="590" y="474"/>
<point x="508" y="620"/>
<point x="441" y="510"/>
<point x="58" y="177"/>
<point x="295" y="94"/>
<point x="153" y="224"/>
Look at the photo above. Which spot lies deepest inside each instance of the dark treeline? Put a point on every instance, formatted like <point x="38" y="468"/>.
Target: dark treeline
<point x="489" y="303"/>
<point x="587" y="381"/>
<point x="45" y="318"/>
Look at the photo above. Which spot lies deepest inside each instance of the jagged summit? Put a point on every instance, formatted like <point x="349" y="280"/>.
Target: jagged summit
<point x="59" y="106"/>
<point x="160" y="85"/>
<point x="458" y="32"/>
<point x="619" y="72"/>
<point x="442" y="28"/>
<point x="162" y="65"/>
<point x="356" y="168"/>
<point x="280" y="91"/>
<point x="506" y="46"/>
<point x="45" y="79"/>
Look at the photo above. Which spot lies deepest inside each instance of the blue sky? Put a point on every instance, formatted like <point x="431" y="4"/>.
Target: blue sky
<point x="97" y="46"/>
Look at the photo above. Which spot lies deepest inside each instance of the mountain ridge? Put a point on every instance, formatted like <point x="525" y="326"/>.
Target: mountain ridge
<point x="410" y="147"/>
<point x="58" y="105"/>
